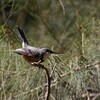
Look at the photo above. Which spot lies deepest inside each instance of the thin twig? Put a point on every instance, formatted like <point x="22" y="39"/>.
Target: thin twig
<point x="22" y="15"/>
<point x="62" y="5"/>
<point x="96" y="96"/>
<point x="35" y="89"/>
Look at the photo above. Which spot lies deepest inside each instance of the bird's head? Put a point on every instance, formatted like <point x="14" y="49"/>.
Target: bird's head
<point x="46" y="52"/>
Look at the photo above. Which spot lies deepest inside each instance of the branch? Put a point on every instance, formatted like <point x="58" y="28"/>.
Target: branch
<point x="47" y="94"/>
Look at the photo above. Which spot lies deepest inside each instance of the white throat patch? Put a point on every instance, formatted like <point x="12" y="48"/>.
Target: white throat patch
<point x="46" y="55"/>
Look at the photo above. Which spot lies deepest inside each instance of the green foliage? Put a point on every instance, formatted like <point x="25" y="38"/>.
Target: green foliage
<point x="69" y="26"/>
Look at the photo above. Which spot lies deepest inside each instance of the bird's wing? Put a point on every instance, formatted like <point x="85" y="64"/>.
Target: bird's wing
<point x="32" y="51"/>
<point x="29" y="51"/>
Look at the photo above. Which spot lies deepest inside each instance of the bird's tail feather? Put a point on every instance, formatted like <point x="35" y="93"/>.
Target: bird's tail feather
<point x="22" y="35"/>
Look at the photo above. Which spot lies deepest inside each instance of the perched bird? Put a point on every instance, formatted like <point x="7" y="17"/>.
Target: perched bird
<point x="31" y="54"/>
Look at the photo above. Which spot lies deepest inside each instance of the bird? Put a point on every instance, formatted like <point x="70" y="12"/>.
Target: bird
<point x="32" y="55"/>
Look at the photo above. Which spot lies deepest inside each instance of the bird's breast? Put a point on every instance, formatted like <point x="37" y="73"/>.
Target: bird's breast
<point x="30" y="58"/>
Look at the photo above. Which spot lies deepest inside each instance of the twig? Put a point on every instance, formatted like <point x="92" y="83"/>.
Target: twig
<point x="35" y="89"/>
<point x="62" y="5"/>
<point x="48" y="28"/>
<point x="47" y="94"/>
<point x="3" y="11"/>
<point x="22" y="15"/>
<point x="94" y="95"/>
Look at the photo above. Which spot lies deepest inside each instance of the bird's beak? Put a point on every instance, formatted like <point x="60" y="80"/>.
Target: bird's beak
<point x="55" y="52"/>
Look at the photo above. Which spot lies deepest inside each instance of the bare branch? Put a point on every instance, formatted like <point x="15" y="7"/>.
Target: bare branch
<point x="47" y="94"/>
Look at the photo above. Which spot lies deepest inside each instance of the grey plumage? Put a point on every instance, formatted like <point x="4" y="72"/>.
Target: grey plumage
<point x="29" y="51"/>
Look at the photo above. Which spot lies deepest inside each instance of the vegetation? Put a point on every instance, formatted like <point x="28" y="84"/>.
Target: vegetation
<point x="68" y="26"/>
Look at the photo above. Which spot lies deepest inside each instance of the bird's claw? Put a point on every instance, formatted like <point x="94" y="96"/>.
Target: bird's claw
<point x="35" y="63"/>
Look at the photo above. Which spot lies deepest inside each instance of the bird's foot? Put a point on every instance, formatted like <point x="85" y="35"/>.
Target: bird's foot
<point x="37" y="64"/>
<point x="34" y="63"/>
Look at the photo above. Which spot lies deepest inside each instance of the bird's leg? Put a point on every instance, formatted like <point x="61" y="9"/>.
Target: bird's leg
<point x="36" y="63"/>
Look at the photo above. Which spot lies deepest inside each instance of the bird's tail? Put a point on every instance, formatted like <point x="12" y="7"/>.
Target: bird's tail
<point x="22" y="35"/>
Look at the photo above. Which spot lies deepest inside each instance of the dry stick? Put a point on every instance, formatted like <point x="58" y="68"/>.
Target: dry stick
<point x="47" y="94"/>
<point x="62" y="5"/>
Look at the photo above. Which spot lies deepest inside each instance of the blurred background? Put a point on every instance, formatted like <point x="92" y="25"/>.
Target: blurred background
<point x="68" y="26"/>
